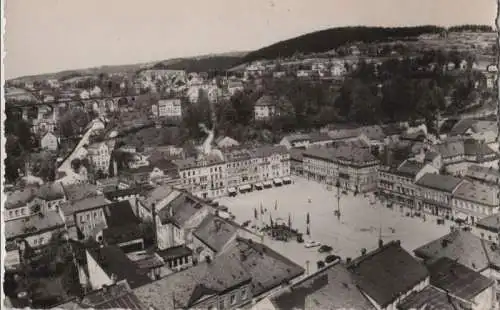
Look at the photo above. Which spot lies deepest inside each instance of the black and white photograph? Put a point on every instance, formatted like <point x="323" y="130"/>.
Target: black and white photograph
<point x="250" y="154"/>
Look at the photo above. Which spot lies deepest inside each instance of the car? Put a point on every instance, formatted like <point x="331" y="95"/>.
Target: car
<point x="311" y="244"/>
<point x="325" y="248"/>
<point x="331" y="258"/>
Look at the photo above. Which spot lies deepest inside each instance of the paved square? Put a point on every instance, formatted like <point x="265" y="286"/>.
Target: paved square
<point x="358" y="228"/>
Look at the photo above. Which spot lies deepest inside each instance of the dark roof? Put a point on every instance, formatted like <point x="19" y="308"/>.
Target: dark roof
<point x="296" y="154"/>
<point x="136" y="190"/>
<point x="354" y="155"/>
<point x="387" y="272"/>
<point x="267" y="268"/>
<point x="331" y="288"/>
<point x="120" y="214"/>
<point x="187" y="287"/>
<point x="440" y="182"/>
<point x="80" y="191"/>
<point x="33" y="225"/>
<point x="491" y="223"/>
<point x="462" y="126"/>
<point x="123" y="233"/>
<point x="114" y="261"/>
<point x="432" y="298"/>
<point x="19" y="198"/>
<point x="118" y="296"/>
<point x="457" y="279"/>
<point x="464" y="247"/>
<point x="175" y="252"/>
<point x="410" y="168"/>
<point x="476" y="148"/>
<point x="215" y="232"/>
<point x="484" y="174"/>
<point x="51" y="191"/>
<point x="183" y="207"/>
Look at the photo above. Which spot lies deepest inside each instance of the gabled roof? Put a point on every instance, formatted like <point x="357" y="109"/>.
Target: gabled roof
<point x="331" y="288"/>
<point x="120" y="213"/>
<point x="464" y="247"/>
<point x="265" y="100"/>
<point x="70" y="207"/>
<point x="432" y="298"/>
<point x="457" y="279"/>
<point x="461" y="127"/>
<point x="186" y="287"/>
<point x="387" y="272"/>
<point x="485" y="174"/>
<point x="180" y="210"/>
<point x="446" y="183"/>
<point x="118" y="296"/>
<point x="491" y="223"/>
<point x="215" y="232"/>
<point x="157" y="194"/>
<point x="451" y="149"/>
<point x="410" y="168"/>
<point x="476" y="148"/>
<point x="114" y="261"/>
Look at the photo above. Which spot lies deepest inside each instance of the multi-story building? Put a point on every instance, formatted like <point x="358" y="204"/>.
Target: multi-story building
<point x="168" y="108"/>
<point x="350" y="167"/>
<point x="472" y="202"/>
<point x="436" y="192"/>
<point x="398" y="184"/>
<point x="49" y="141"/>
<point x="203" y="176"/>
<point x="265" y="108"/>
<point x="100" y="155"/>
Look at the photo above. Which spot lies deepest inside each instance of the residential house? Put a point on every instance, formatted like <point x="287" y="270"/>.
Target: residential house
<point x="303" y="141"/>
<point x="155" y="199"/>
<point x="464" y="283"/>
<point x="150" y="263"/>
<point x="109" y="264"/>
<point x="111" y="184"/>
<point x="350" y="167"/>
<point x="168" y="108"/>
<point x="388" y="275"/>
<point x="177" y="258"/>
<point x="398" y="184"/>
<point x="202" y="176"/>
<point x="212" y="236"/>
<point x="464" y="247"/>
<point x="21" y="204"/>
<point x="226" y="142"/>
<point x="234" y="86"/>
<point x="37" y="230"/>
<point x="83" y="216"/>
<point x="52" y="195"/>
<point x="265" y="108"/>
<point x="49" y="142"/>
<point x="75" y="192"/>
<point x="472" y="202"/>
<point x="485" y="175"/>
<point x="432" y="297"/>
<point x="434" y="159"/>
<point x="100" y="156"/>
<point x="436" y="193"/>
<point x="219" y="284"/>
<point x="162" y="171"/>
<point x="333" y="287"/>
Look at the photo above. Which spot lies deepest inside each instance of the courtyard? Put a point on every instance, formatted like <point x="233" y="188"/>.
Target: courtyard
<point x="361" y="221"/>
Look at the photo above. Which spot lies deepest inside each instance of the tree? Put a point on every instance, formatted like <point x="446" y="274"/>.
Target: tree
<point x="76" y="164"/>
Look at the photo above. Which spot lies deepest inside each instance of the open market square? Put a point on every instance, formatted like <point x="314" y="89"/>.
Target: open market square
<point x="363" y="219"/>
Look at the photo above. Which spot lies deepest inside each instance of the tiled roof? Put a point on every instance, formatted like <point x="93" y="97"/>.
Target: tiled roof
<point x="462" y="246"/>
<point x="457" y="279"/>
<point x="432" y="298"/>
<point x="113" y="261"/>
<point x="174" y="252"/>
<point x="188" y="286"/>
<point x="478" y="193"/>
<point x="268" y="269"/>
<point x="387" y="272"/>
<point x="451" y="149"/>
<point x="331" y="288"/>
<point x="118" y="296"/>
<point x="215" y="232"/>
<point x="70" y="207"/>
<point x="489" y="175"/>
<point x="32" y="225"/>
<point x="440" y="182"/>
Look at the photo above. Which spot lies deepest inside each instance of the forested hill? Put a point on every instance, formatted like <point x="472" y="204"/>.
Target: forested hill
<point x="325" y="40"/>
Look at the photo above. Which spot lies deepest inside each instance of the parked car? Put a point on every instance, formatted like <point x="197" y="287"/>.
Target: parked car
<point x="325" y="248"/>
<point x="331" y="258"/>
<point x="311" y="244"/>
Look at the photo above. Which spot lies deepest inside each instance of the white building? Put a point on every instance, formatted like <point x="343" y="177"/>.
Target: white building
<point x="100" y="155"/>
<point x="472" y="202"/>
<point x="49" y="142"/>
<point x="265" y="108"/>
<point x="170" y="108"/>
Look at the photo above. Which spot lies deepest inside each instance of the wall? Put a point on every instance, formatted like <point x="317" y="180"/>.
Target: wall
<point x="485" y="300"/>
<point x="97" y="276"/>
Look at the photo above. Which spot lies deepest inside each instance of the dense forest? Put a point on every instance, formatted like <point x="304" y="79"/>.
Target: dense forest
<point x="325" y="40"/>
<point x="473" y="28"/>
<point x="205" y="64"/>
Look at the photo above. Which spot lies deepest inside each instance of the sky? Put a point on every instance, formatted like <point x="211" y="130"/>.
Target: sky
<point x="53" y="35"/>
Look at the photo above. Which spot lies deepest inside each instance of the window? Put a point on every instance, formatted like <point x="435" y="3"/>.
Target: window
<point x="10" y="213"/>
<point x="233" y="299"/>
<point x="244" y="294"/>
<point x="17" y="212"/>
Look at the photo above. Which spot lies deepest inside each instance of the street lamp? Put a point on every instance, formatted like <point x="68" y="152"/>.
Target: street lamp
<point x="338" y="198"/>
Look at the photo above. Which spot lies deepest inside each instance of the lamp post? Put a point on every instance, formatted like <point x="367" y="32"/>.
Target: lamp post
<point x="338" y="199"/>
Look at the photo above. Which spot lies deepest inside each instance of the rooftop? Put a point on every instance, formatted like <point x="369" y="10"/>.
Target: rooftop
<point x="146" y="260"/>
<point x="51" y="191"/>
<point x="80" y="191"/>
<point x="136" y="190"/>
<point x="432" y="298"/>
<point x="114" y="261"/>
<point x="491" y="223"/>
<point x="157" y="194"/>
<point x="410" y="168"/>
<point x="331" y="288"/>
<point x="354" y="155"/>
<point x="19" y="198"/>
<point x="175" y="252"/>
<point x="32" y="225"/>
<point x="485" y="174"/>
<point x="120" y="213"/>
<point x="439" y="182"/>
<point x="387" y="272"/>
<point x="182" y="209"/>
<point x="457" y="279"/>
<point x="478" y="193"/>
<point x="118" y="296"/>
<point x="70" y="207"/>
<point x="463" y="247"/>
<point x="187" y="287"/>
<point x="215" y="232"/>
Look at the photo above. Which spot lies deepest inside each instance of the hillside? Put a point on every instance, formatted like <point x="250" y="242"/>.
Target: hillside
<point x="326" y="40"/>
<point x="203" y="64"/>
